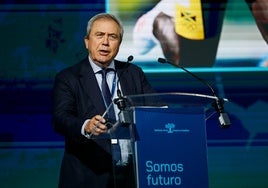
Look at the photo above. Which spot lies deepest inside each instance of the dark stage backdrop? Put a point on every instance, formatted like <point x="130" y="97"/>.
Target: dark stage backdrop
<point x="40" y="38"/>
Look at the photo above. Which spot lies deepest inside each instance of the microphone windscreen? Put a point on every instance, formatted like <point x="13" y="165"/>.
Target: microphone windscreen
<point x="161" y="60"/>
<point x="130" y="58"/>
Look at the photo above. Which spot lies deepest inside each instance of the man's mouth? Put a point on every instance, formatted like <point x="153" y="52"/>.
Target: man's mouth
<point x="104" y="52"/>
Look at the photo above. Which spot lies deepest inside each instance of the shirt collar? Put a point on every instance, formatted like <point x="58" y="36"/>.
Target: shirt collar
<point x="97" y="68"/>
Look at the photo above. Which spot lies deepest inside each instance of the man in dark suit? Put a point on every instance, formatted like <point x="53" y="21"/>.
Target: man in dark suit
<point x="78" y="105"/>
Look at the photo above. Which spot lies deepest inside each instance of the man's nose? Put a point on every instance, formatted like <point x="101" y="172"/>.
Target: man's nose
<point x="105" y="40"/>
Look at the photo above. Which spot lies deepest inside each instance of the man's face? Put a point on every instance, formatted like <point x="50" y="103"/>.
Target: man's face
<point x="103" y="41"/>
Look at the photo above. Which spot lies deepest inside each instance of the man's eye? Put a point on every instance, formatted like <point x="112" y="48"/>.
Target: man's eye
<point x="99" y="35"/>
<point x="113" y="37"/>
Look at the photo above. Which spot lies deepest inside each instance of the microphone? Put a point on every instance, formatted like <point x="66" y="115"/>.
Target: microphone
<point x="123" y="115"/>
<point x="224" y="119"/>
<point x="129" y="59"/>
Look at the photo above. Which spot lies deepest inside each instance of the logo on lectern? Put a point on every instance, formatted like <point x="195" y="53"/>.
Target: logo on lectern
<point x="171" y="128"/>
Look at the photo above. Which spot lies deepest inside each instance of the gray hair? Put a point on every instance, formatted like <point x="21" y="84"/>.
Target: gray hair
<point x="104" y="16"/>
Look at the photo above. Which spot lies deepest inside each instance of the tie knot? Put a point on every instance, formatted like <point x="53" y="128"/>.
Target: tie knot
<point x="104" y="71"/>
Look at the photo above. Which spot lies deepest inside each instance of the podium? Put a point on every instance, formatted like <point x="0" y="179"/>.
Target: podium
<point x="167" y="133"/>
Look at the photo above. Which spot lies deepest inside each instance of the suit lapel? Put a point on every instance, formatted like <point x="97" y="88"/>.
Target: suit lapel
<point x="125" y="78"/>
<point x="91" y="87"/>
<point x="89" y="83"/>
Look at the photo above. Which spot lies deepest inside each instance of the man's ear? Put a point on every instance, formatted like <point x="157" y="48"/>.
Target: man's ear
<point x="86" y="42"/>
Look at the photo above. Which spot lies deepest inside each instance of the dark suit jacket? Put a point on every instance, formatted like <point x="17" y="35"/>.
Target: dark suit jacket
<point x="77" y="97"/>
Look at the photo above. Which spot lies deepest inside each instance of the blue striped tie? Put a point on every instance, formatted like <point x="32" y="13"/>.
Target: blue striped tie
<point x="111" y="113"/>
<point x="107" y="94"/>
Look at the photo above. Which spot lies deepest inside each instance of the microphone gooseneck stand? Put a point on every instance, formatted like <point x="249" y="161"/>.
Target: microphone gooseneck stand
<point x="224" y="119"/>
